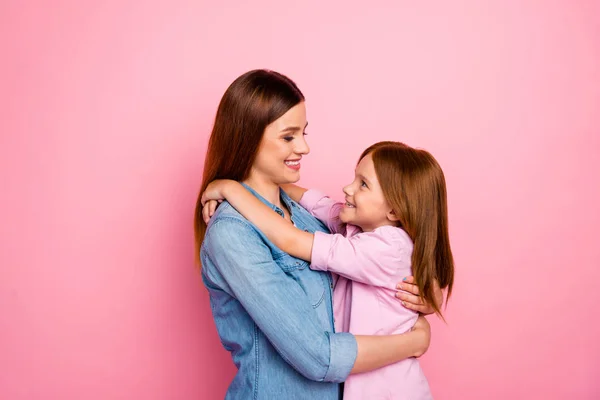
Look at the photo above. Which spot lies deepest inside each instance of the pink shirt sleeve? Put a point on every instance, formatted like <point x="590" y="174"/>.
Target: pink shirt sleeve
<point x="325" y="209"/>
<point x="378" y="258"/>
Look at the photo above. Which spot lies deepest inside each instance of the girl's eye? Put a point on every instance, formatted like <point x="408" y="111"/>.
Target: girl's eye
<point x="363" y="184"/>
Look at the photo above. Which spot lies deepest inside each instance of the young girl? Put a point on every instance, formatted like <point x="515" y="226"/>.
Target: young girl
<point x="393" y="224"/>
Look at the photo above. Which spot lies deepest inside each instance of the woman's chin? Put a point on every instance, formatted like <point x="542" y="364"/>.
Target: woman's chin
<point x="290" y="178"/>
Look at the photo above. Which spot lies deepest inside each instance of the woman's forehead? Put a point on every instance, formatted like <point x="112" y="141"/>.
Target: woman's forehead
<point x="295" y="117"/>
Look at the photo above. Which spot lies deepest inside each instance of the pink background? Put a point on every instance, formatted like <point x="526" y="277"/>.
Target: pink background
<point x="105" y="113"/>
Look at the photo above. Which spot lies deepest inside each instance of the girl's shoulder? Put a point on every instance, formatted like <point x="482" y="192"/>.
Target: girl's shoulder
<point x="393" y="234"/>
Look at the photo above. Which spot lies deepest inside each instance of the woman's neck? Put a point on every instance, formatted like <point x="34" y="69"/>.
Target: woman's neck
<point x="268" y="190"/>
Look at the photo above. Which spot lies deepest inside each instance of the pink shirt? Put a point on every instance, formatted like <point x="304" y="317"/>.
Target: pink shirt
<point x="369" y="265"/>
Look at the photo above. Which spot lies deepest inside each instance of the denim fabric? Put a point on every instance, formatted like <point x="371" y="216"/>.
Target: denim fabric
<point x="272" y="312"/>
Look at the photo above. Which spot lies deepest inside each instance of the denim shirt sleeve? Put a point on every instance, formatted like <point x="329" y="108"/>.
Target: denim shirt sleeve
<point x="277" y="303"/>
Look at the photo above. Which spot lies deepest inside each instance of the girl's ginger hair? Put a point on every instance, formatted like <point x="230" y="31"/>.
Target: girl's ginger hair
<point x="414" y="186"/>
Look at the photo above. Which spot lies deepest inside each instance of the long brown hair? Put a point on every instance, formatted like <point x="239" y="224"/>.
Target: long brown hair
<point x="249" y="104"/>
<point x="414" y="186"/>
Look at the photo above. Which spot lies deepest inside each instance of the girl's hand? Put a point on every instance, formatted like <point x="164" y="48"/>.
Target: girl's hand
<point x="412" y="301"/>
<point x="214" y="191"/>
<point x="209" y="209"/>
<point x="422" y="327"/>
<point x="212" y="196"/>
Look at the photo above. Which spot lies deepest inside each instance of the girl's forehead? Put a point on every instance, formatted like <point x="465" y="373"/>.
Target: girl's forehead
<point x="365" y="164"/>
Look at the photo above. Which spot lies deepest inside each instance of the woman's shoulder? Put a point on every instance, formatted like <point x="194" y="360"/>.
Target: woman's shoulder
<point x="228" y="221"/>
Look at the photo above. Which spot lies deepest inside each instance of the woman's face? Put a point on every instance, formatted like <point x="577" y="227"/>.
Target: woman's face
<point x="281" y="148"/>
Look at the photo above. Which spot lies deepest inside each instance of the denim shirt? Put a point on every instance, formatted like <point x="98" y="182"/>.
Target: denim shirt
<point x="272" y="312"/>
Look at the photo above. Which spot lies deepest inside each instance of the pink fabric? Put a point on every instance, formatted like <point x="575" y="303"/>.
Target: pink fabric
<point x="368" y="265"/>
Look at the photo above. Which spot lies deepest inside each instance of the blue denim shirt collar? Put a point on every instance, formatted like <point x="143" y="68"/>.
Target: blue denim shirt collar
<point x="287" y="200"/>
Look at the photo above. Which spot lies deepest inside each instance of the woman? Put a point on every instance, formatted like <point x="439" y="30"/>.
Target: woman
<point x="272" y="312"/>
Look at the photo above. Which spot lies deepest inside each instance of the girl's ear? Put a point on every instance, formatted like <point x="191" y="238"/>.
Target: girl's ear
<point x="391" y="215"/>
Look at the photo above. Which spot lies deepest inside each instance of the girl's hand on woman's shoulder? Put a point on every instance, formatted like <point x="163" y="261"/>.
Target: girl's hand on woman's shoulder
<point x="215" y="191"/>
<point x="212" y="196"/>
<point x="209" y="209"/>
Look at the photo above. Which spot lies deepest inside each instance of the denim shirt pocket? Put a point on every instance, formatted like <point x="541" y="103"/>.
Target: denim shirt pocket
<point x="312" y="282"/>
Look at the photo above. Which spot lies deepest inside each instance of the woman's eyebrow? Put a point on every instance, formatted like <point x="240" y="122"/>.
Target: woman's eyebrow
<point x="293" y="128"/>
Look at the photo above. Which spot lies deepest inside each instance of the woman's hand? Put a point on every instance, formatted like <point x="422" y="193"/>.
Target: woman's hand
<point x="424" y="330"/>
<point x="212" y="196"/>
<point x="411" y="299"/>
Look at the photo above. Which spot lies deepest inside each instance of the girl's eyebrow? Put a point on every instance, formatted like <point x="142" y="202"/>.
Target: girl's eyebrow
<point x="364" y="178"/>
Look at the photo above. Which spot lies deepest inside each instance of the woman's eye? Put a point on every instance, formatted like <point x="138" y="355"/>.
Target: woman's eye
<point x="304" y="133"/>
<point x="288" y="138"/>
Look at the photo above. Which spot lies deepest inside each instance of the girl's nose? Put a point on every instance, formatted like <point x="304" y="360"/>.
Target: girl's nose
<point x="348" y="190"/>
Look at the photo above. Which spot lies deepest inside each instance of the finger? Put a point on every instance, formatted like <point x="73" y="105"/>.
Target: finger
<point x="409" y="279"/>
<point x="414" y="307"/>
<point x="212" y="206"/>
<point x="409" y="298"/>
<point x="205" y="213"/>
<point x="408" y="287"/>
<point x="203" y="199"/>
<point x="421" y="309"/>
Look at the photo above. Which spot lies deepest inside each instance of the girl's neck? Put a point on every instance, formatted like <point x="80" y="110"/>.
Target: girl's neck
<point x="268" y="190"/>
<point x="379" y="225"/>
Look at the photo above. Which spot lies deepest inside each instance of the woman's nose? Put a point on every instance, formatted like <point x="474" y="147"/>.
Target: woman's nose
<point x="302" y="146"/>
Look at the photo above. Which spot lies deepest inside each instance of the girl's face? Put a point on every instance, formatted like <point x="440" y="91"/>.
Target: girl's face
<point x="365" y="205"/>
<point x="281" y="149"/>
